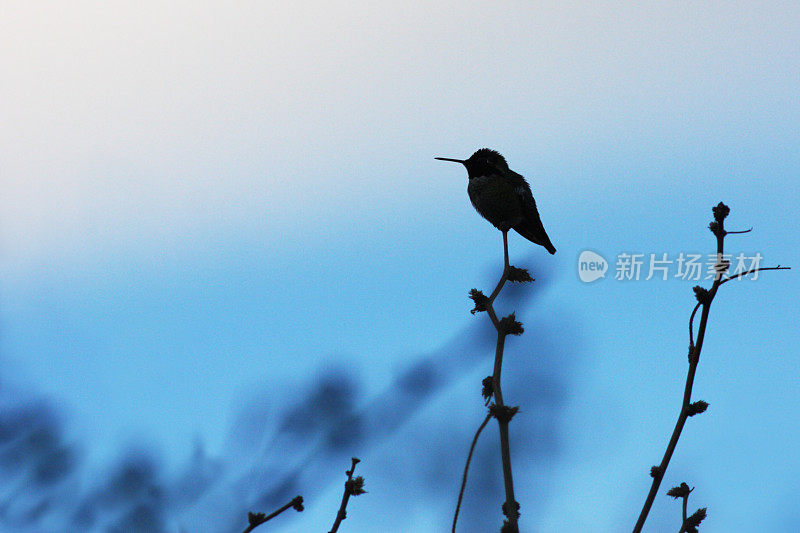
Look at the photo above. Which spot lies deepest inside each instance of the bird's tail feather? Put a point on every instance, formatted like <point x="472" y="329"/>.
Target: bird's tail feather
<point x="536" y="236"/>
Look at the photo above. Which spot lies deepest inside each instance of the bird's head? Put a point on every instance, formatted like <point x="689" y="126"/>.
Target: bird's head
<point x="482" y="163"/>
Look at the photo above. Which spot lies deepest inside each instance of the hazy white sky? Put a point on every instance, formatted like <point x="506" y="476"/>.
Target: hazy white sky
<point x="122" y="118"/>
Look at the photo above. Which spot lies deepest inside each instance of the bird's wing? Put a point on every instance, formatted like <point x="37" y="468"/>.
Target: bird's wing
<point x="532" y="228"/>
<point x="524" y="196"/>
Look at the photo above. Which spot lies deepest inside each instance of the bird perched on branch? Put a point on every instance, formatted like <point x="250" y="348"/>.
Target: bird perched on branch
<point x="502" y="196"/>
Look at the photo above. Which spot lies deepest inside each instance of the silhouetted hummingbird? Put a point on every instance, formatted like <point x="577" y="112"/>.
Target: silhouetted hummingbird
<point x="502" y="196"/>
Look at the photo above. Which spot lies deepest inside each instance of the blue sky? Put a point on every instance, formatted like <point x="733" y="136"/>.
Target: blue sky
<point x="210" y="214"/>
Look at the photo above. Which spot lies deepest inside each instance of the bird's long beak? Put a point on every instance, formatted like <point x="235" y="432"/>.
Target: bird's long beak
<point x="448" y="159"/>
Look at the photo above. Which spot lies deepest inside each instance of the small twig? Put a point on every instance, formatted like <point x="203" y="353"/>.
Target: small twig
<point x="352" y="487"/>
<point x="738" y="232"/>
<point x="689" y="524"/>
<point x="503" y="278"/>
<point x="726" y="280"/>
<point x="752" y="271"/>
<point x="466" y="468"/>
<point x="683" y="512"/>
<point x="691" y="329"/>
<point x="256" y="519"/>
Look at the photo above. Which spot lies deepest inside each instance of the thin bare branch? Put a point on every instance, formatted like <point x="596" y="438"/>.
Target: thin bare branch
<point x="752" y="271"/>
<point x="705" y="298"/>
<point x="256" y="519"/>
<point x="691" y="329"/>
<point x="738" y="232"/>
<point x="466" y="468"/>
<point x="499" y="410"/>
<point x="352" y="487"/>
